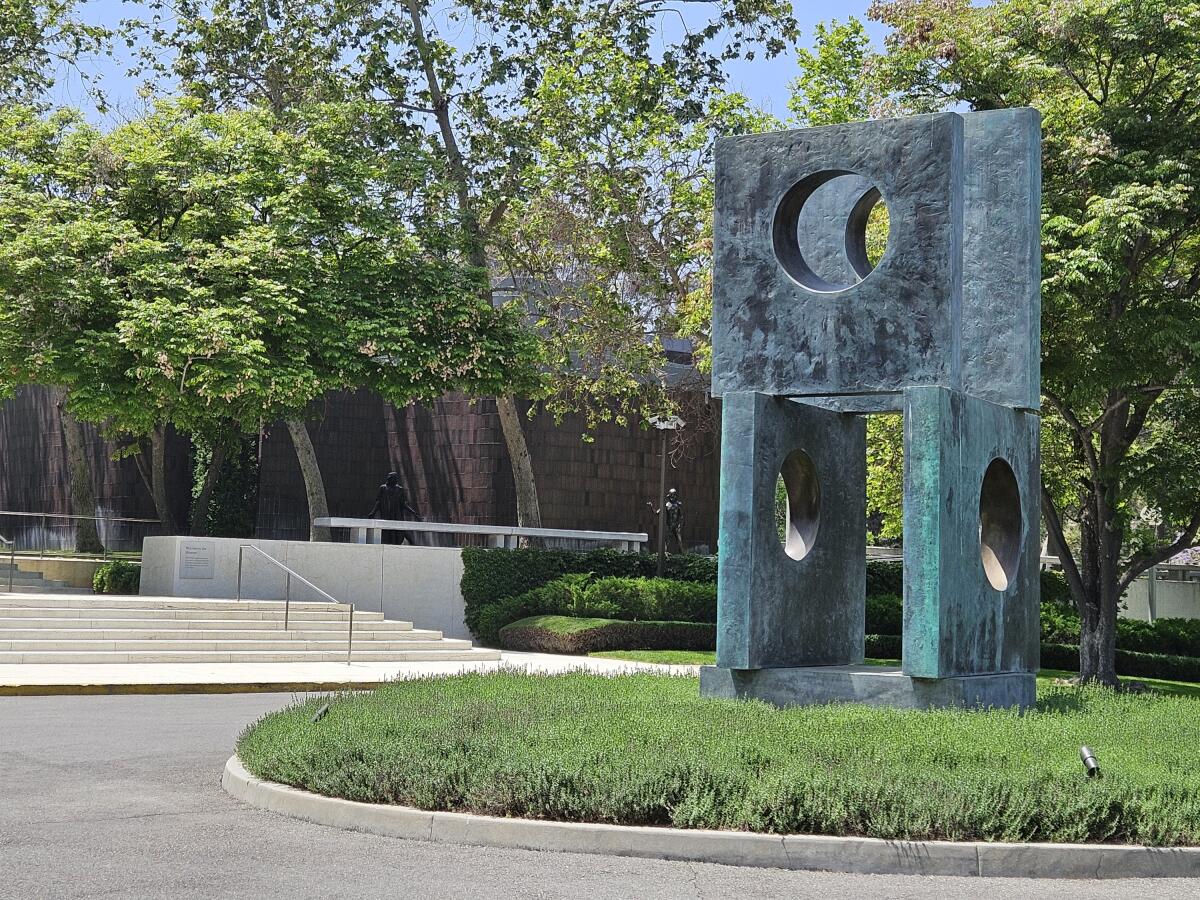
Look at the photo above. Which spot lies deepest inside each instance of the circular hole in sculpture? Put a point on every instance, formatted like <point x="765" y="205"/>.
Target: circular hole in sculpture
<point x="830" y="231"/>
<point x="999" y="524"/>
<point x="800" y="499"/>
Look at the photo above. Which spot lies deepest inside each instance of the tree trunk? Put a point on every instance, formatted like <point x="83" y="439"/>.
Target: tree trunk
<point x="83" y="496"/>
<point x="314" y="484"/>
<point x="529" y="512"/>
<point x="200" y="509"/>
<point x="158" y="480"/>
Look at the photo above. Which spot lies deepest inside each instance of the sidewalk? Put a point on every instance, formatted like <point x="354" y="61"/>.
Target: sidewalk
<point x="235" y="678"/>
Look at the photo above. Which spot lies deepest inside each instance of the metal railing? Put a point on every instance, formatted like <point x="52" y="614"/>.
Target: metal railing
<point x="12" y="559"/>
<point x="288" y="575"/>
<point x="46" y="521"/>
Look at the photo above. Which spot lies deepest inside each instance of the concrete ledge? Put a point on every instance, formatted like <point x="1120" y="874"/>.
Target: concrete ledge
<point x="873" y="685"/>
<point x="867" y="856"/>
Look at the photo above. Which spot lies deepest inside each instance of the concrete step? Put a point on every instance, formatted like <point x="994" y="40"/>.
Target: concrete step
<point x="77" y="629"/>
<point x="119" y="601"/>
<point x="251" y="656"/>
<point x="173" y="623"/>
<point x="45" y="588"/>
<point x="232" y="613"/>
<point x="207" y="634"/>
<point x="236" y="645"/>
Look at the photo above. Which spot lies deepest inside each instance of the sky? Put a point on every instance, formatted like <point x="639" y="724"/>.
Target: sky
<point x="764" y="81"/>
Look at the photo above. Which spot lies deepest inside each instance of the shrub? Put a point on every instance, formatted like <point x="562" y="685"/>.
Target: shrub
<point x="1059" y="625"/>
<point x="494" y="617"/>
<point x="884" y="646"/>
<point x="1128" y="663"/>
<point x="490" y="575"/>
<point x="566" y="634"/>
<point x="648" y="750"/>
<point x="660" y="599"/>
<point x="117" y="577"/>
<point x="1172" y="637"/>
<point x="885" y="614"/>
<point x="885" y="576"/>
<point x="1055" y="590"/>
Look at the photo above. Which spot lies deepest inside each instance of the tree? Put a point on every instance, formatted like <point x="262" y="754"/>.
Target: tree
<point x="479" y="98"/>
<point x="208" y="271"/>
<point x="1115" y="81"/>
<point x="39" y="39"/>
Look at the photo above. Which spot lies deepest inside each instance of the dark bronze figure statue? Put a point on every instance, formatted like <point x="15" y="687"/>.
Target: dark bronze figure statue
<point x="391" y="503"/>
<point x="673" y="508"/>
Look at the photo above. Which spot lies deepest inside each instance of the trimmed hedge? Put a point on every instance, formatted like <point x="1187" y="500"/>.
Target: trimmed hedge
<point x="885" y="614"/>
<point x="655" y="599"/>
<point x="566" y="634"/>
<point x="492" y="575"/>
<point x="1171" y="637"/>
<point x="884" y="646"/>
<point x="1129" y="663"/>
<point x="117" y="577"/>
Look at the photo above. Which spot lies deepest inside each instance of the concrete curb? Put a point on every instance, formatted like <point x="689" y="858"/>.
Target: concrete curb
<point x="866" y="856"/>
<point x="187" y="687"/>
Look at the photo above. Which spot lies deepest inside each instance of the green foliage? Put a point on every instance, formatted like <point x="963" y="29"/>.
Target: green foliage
<point x="581" y="596"/>
<point x="1174" y="637"/>
<point x="885" y="576"/>
<point x="833" y="86"/>
<point x="572" y="143"/>
<point x="647" y="750"/>
<point x="40" y="38"/>
<point x="884" y="646"/>
<point x="117" y="577"/>
<point x="1115" y="83"/>
<point x="568" y="634"/>
<point x="214" y="270"/>
<point x="885" y="614"/>
<point x="491" y="575"/>
<point x="1129" y="663"/>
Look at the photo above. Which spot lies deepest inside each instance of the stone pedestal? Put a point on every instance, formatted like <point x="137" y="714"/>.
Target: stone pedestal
<point x="873" y="685"/>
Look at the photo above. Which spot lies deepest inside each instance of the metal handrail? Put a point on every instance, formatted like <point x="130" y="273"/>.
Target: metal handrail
<point x="35" y="515"/>
<point x="289" y="574"/>
<point x="12" y="559"/>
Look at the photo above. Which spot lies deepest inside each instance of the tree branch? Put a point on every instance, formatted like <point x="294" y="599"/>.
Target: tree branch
<point x="1058" y="543"/>
<point x="1144" y="559"/>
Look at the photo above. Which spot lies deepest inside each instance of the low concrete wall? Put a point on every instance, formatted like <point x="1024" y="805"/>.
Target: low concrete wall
<point x="1172" y="600"/>
<point x="76" y="573"/>
<point x="414" y="584"/>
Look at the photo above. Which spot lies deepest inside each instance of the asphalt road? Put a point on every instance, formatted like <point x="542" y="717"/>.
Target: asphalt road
<point x="121" y="797"/>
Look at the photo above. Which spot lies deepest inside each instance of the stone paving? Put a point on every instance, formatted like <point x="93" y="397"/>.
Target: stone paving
<point x="237" y="677"/>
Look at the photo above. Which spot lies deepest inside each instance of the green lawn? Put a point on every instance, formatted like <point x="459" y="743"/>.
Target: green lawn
<point x="646" y="749"/>
<point x="1046" y="677"/>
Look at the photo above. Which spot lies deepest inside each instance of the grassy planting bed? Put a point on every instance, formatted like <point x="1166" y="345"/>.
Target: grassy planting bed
<point x="568" y="634"/>
<point x="647" y="750"/>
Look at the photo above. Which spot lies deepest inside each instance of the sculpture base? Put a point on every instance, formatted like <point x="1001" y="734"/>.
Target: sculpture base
<point x="873" y="685"/>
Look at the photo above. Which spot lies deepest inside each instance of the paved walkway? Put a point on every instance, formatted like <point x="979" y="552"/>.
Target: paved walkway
<point x="237" y="677"/>
<point x="120" y="797"/>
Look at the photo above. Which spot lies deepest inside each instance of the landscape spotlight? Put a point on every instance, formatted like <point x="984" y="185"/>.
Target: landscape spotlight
<point x="320" y="713"/>
<point x="1089" y="762"/>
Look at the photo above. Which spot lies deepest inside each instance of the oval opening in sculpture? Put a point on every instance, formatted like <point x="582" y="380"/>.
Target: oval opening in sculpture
<point x="999" y="524"/>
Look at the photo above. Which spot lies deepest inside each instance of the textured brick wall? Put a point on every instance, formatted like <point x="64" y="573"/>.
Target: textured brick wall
<point x="450" y="454"/>
<point x="34" y="475"/>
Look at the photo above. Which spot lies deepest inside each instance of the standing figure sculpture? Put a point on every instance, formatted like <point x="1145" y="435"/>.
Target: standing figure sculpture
<point x="391" y="503"/>
<point x="674" y="508"/>
<point x="672" y="511"/>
